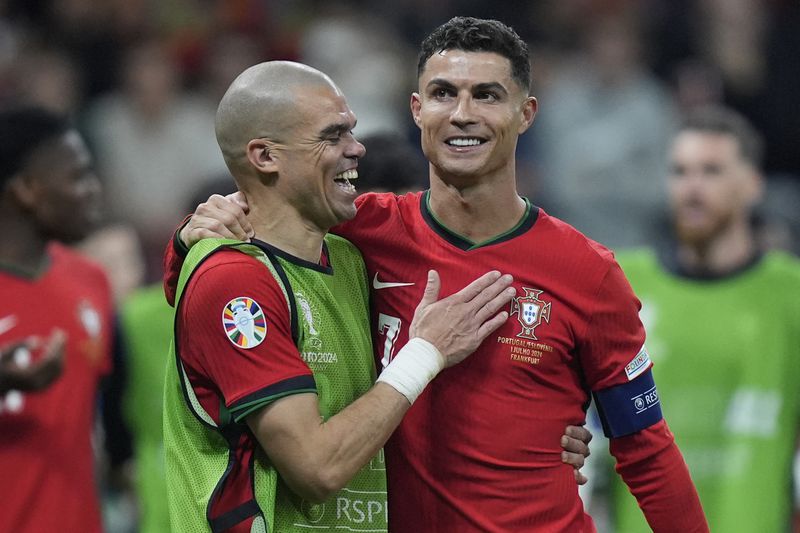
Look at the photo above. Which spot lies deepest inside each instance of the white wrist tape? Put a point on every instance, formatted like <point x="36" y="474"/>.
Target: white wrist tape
<point x="413" y="368"/>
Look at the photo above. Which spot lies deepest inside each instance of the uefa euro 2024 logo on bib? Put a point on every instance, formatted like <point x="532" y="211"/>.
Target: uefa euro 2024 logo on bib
<point x="244" y="322"/>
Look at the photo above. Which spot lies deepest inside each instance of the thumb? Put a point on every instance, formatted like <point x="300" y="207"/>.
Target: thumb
<point x="432" y="289"/>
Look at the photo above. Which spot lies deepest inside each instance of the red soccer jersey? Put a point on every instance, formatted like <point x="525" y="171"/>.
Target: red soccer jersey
<point x="480" y="449"/>
<point x="47" y="480"/>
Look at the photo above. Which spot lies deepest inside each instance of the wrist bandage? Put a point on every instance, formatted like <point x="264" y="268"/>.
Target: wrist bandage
<point x="413" y="368"/>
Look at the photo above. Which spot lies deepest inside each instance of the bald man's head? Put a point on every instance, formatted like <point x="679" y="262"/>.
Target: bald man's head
<point x="262" y="103"/>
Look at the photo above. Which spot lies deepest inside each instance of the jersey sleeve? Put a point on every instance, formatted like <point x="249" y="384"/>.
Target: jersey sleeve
<point x="618" y="369"/>
<point x="652" y="467"/>
<point x="174" y="254"/>
<point x="234" y="330"/>
<point x="615" y="361"/>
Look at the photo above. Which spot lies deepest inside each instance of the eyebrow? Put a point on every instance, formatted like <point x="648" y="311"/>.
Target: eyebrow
<point x="488" y="86"/>
<point x="338" y="128"/>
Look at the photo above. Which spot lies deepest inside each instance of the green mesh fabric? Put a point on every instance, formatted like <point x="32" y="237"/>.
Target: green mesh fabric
<point x="334" y="339"/>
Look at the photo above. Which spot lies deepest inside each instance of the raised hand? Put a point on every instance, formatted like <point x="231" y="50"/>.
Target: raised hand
<point x="37" y="375"/>
<point x="457" y="325"/>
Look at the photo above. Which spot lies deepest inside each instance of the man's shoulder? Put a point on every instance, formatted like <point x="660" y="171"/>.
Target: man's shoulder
<point x="571" y="241"/>
<point x="379" y="204"/>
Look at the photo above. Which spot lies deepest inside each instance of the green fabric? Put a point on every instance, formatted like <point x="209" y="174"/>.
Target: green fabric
<point x="146" y="323"/>
<point x="727" y="367"/>
<point x="334" y="339"/>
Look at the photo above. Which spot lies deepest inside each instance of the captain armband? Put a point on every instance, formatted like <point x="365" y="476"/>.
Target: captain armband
<point x="414" y="366"/>
<point x="629" y="407"/>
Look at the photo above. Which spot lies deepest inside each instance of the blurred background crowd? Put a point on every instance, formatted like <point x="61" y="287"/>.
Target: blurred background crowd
<point x="142" y="79"/>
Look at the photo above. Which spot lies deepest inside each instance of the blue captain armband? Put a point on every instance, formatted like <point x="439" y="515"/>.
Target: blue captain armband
<point x="630" y="407"/>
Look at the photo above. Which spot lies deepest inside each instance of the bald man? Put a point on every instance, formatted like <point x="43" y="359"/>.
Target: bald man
<point x="272" y="419"/>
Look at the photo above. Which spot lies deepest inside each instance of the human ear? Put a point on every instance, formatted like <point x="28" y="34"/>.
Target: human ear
<point x="260" y="156"/>
<point x="529" y="108"/>
<point x="416" y="106"/>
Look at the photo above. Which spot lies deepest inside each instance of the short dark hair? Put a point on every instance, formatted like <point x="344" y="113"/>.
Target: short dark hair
<point x="22" y="131"/>
<point x="479" y="35"/>
<point x="726" y="121"/>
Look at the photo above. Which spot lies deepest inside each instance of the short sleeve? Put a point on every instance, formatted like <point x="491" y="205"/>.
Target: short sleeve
<point x="234" y="331"/>
<point x="613" y="343"/>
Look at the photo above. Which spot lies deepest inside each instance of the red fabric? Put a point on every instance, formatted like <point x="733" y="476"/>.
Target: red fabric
<point x="172" y="265"/>
<point x="654" y="470"/>
<point x="479" y="450"/>
<point x="217" y="368"/>
<point x="47" y="480"/>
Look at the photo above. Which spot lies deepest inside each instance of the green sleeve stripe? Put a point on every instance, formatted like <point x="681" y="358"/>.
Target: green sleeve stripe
<point x="270" y="393"/>
<point x="241" y="411"/>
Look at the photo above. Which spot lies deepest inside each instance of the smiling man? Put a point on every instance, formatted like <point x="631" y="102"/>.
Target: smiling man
<point x="480" y="450"/>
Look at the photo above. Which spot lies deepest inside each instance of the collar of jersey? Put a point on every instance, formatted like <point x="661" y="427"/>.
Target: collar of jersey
<point x="668" y="257"/>
<point x="525" y="223"/>
<point x="286" y="256"/>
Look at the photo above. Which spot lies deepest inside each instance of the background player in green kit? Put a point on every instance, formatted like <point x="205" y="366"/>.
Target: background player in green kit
<point x="723" y="328"/>
<point x="271" y="419"/>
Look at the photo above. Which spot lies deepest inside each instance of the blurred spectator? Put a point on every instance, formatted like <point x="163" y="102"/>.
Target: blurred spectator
<point x="602" y="126"/>
<point x="48" y="78"/>
<point x="368" y="61"/>
<point x="723" y="329"/>
<point x="48" y="192"/>
<point x="153" y="143"/>
<point x="392" y="164"/>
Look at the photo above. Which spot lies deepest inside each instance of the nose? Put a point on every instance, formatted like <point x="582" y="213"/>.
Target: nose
<point x="462" y="113"/>
<point x="355" y="149"/>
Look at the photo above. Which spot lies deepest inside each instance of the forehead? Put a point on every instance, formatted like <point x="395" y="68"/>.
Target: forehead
<point x="461" y="67"/>
<point x="705" y="145"/>
<point x="321" y="106"/>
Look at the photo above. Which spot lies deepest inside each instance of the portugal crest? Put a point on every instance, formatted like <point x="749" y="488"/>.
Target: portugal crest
<point x="244" y="322"/>
<point x="530" y="311"/>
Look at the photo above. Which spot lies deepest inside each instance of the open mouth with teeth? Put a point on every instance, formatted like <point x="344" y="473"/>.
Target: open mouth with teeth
<point x="464" y="142"/>
<point x="342" y="179"/>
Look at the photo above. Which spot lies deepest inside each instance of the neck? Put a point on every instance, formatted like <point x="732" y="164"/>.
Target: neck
<point x="22" y="246"/>
<point x="283" y="227"/>
<point x="477" y="211"/>
<point x="721" y="254"/>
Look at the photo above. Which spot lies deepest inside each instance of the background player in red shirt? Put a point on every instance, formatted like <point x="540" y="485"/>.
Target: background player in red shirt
<point x="48" y="192"/>
<point x="479" y="451"/>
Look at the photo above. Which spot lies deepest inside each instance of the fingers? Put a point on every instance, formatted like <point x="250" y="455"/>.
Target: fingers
<point x="580" y="433"/>
<point x="54" y="349"/>
<point x="478" y="286"/>
<point x="40" y="374"/>
<point x="576" y="449"/>
<point x="218" y="217"/>
<point x="495" y="304"/>
<point x="239" y="199"/>
<point x="491" y="325"/>
<point x="574" y="445"/>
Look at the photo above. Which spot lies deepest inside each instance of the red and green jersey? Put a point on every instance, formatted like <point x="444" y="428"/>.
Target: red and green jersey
<point x="727" y="353"/>
<point x="47" y="479"/>
<point x="253" y="325"/>
<point x="480" y="449"/>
